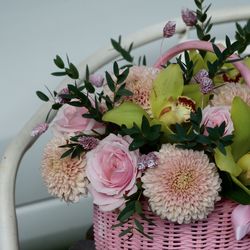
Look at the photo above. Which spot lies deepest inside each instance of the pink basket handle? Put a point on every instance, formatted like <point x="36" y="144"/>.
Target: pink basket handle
<point x="206" y="46"/>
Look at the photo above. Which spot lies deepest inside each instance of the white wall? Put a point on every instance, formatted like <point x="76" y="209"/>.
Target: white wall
<point x="32" y="32"/>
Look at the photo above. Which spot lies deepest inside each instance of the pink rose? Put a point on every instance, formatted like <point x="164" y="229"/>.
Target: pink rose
<point x="214" y="116"/>
<point x="69" y="121"/>
<point x="112" y="171"/>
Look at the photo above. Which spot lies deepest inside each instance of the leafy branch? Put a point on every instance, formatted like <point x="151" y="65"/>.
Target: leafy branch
<point x="147" y="138"/>
<point x="194" y="137"/>
<point x="133" y="211"/>
<point x="187" y="67"/>
<point x="242" y="35"/>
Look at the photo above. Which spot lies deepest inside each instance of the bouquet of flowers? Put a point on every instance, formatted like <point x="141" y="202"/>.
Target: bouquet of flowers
<point x="172" y="138"/>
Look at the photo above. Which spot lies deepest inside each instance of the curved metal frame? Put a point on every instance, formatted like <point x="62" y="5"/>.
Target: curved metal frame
<point x="23" y="141"/>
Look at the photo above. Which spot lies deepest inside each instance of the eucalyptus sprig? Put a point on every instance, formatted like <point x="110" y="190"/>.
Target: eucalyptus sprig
<point x="187" y="67"/>
<point x="242" y="35"/>
<point x="133" y="211"/>
<point x="193" y="137"/>
<point x="204" y="24"/>
<point x="147" y="138"/>
<point x="222" y="56"/>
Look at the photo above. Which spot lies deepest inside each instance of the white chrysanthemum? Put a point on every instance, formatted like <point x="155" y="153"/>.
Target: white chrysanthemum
<point x="66" y="177"/>
<point x="224" y="95"/>
<point x="183" y="187"/>
<point x="139" y="81"/>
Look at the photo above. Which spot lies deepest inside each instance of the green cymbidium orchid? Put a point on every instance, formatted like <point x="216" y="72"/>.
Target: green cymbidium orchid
<point x="235" y="162"/>
<point x="126" y="114"/>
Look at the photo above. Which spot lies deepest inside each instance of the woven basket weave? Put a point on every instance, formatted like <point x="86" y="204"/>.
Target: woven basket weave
<point x="214" y="233"/>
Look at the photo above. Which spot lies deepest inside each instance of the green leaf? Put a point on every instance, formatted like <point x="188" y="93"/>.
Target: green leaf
<point x="240" y="113"/>
<point x="116" y="69"/>
<point x="126" y="114"/>
<point x="42" y="96"/>
<point x="110" y="82"/>
<point x="169" y="83"/>
<point x="67" y="153"/>
<point x="139" y="225"/>
<point x="126" y="231"/>
<point x="138" y="207"/>
<point x="59" y="62"/>
<point x="226" y="162"/>
<point x="59" y="73"/>
<point x="74" y="74"/>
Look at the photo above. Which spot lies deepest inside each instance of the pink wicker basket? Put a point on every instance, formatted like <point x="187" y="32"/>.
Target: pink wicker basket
<point x="214" y="233"/>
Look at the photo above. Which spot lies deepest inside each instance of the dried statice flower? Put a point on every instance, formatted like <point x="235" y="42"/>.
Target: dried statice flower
<point x="169" y="29"/>
<point x="88" y="142"/>
<point x="189" y="17"/>
<point x="39" y="129"/>
<point x="200" y="75"/>
<point x="206" y="83"/>
<point x="97" y="80"/>
<point x="147" y="161"/>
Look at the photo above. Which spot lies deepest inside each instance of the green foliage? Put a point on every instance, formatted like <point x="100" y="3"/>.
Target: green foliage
<point x="133" y="211"/>
<point x="193" y="137"/>
<point x="204" y="25"/>
<point x="242" y="35"/>
<point x="187" y="67"/>
<point x="215" y="66"/>
<point x="147" y="138"/>
<point x="70" y="71"/>
<point x="125" y="53"/>
<point x="234" y="190"/>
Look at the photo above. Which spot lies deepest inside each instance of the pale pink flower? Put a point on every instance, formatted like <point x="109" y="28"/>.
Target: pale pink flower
<point x="169" y="29"/>
<point x="183" y="187"/>
<point x="69" y="121"/>
<point x="139" y="81"/>
<point x="39" y="129"/>
<point x="65" y="178"/>
<point x="225" y="94"/>
<point x="215" y="116"/>
<point x="112" y="171"/>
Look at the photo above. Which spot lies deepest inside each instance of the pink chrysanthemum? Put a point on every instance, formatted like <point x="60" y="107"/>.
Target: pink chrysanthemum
<point x="184" y="186"/>
<point x="224" y="95"/>
<point x="66" y="177"/>
<point x="139" y="81"/>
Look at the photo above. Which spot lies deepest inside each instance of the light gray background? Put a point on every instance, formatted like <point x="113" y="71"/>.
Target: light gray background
<point x="32" y="32"/>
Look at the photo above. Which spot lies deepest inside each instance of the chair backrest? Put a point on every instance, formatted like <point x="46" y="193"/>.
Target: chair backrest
<point x="23" y="141"/>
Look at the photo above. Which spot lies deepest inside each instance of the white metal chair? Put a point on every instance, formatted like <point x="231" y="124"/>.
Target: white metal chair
<point x="23" y="141"/>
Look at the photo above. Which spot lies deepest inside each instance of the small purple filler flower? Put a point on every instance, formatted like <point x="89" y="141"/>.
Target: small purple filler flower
<point x="189" y="17"/>
<point x="206" y="83"/>
<point x="169" y="29"/>
<point x="147" y="161"/>
<point x="39" y="129"/>
<point x="97" y="80"/>
<point x="88" y="142"/>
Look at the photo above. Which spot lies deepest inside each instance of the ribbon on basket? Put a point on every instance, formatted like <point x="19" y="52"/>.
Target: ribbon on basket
<point x="241" y="221"/>
<point x="241" y="214"/>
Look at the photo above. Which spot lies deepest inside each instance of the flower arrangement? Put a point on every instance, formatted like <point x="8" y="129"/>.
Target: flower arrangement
<point x="175" y="134"/>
